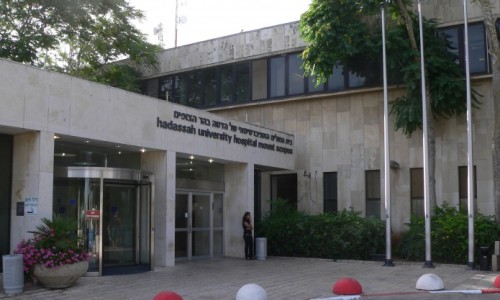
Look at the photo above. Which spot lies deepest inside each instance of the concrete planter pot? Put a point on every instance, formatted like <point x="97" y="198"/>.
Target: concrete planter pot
<point x="60" y="277"/>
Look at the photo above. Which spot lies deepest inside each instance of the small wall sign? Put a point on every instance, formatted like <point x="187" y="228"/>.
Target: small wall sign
<point x="30" y="206"/>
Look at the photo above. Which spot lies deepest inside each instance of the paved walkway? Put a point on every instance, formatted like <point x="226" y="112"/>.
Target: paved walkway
<point x="282" y="278"/>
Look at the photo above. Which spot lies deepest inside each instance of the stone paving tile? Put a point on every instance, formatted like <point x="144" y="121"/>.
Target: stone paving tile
<point x="281" y="277"/>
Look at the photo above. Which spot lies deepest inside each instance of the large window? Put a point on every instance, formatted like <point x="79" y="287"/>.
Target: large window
<point x="242" y="79"/>
<point x="417" y="191"/>
<point x="276" y="78"/>
<point x="226" y="84"/>
<point x="265" y="78"/>
<point x="210" y="87"/>
<point x="478" y="59"/>
<point x="330" y="192"/>
<point x="372" y="193"/>
<point x="295" y="75"/>
<point x="463" y="186"/>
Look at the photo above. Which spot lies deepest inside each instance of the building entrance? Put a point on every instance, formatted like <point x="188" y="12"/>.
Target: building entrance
<point x="198" y="225"/>
<point x="113" y="208"/>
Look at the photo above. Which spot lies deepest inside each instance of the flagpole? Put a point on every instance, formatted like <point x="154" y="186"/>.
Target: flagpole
<point x="428" y="259"/>
<point x="470" y="164"/>
<point x="387" y="177"/>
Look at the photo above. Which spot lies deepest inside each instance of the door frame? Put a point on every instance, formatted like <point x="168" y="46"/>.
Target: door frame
<point x="189" y="229"/>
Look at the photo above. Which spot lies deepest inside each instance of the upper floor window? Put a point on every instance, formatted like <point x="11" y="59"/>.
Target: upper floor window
<point x="276" y="80"/>
<point x="266" y="78"/>
<point x="478" y="59"/>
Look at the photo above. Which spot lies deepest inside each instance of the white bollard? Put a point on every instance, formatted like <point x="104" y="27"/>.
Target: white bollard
<point x="251" y="291"/>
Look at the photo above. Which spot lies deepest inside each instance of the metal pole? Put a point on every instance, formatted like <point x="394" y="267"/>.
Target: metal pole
<point x="470" y="163"/>
<point x="428" y="259"/>
<point x="176" y="20"/>
<point x="387" y="177"/>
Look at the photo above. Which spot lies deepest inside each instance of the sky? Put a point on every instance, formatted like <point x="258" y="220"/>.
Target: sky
<point x="207" y="19"/>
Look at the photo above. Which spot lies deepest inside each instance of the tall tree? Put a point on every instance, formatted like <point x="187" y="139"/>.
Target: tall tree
<point x="347" y="33"/>
<point x="82" y="38"/>
<point x="494" y="52"/>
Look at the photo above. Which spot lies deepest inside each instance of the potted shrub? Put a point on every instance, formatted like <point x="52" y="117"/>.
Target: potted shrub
<point x="55" y="256"/>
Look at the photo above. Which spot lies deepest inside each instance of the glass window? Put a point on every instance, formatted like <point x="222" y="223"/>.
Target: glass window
<point x="199" y="170"/>
<point x="242" y="82"/>
<point x="210" y="87"/>
<point x="356" y="80"/>
<point x="183" y="89"/>
<point x="372" y="193"/>
<point x="330" y="192"/>
<point x="477" y="49"/>
<point x="195" y="89"/>
<point x="478" y="60"/>
<point x="166" y="88"/>
<point x="451" y="34"/>
<point x="259" y="79"/>
<point x="336" y="80"/>
<point x="277" y="77"/>
<point x="417" y="191"/>
<point x="311" y="85"/>
<point x="226" y="84"/>
<point x="295" y="75"/>
<point x="463" y="186"/>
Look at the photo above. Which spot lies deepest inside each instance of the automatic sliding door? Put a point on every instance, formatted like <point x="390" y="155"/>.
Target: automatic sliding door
<point x="199" y="225"/>
<point x="200" y="212"/>
<point x="181" y="226"/>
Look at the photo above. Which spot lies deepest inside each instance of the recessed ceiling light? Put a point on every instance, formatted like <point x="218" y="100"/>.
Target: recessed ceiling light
<point x="143" y="150"/>
<point x="191" y="156"/>
<point x="210" y="160"/>
<point x="56" y="137"/>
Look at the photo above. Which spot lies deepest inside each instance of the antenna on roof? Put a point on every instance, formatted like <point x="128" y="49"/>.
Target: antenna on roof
<point x="158" y="30"/>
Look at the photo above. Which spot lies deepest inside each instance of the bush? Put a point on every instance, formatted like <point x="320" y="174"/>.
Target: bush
<point x="54" y="243"/>
<point x="449" y="236"/>
<point x="343" y="235"/>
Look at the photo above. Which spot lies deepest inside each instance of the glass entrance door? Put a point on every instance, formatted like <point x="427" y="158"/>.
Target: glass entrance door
<point x="120" y="222"/>
<point x="114" y="212"/>
<point x="198" y="225"/>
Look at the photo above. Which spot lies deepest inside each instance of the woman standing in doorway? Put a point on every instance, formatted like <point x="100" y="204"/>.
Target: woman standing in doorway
<point x="247" y="235"/>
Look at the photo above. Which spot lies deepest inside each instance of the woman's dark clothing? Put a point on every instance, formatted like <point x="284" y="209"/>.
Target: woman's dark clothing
<point x="247" y="236"/>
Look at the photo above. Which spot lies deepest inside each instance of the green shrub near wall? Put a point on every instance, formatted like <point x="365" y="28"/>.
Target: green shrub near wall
<point x="343" y="235"/>
<point x="449" y="236"/>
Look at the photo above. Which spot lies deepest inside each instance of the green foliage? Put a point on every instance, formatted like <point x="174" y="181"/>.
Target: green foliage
<point x="59" y="233"/>
<point x="449" y="236"/>
<point x="348" y="33"/>
<point x="76" y="37"/>
<point x="344" y="235"/>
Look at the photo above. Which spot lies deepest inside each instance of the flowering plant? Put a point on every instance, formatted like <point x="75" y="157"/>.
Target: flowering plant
<point x="54" y="243"/>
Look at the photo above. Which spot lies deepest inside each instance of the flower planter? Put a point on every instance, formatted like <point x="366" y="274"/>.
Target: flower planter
<point x="62" y="276"/>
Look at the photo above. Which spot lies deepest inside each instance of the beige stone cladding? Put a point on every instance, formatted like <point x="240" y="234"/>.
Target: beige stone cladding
<point x="344" y="133"/>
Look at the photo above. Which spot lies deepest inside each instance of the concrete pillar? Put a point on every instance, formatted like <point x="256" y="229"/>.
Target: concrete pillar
<point x="32" y="178"/>
<point x="162" y="165"/>
<point x="239" y="198"/>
